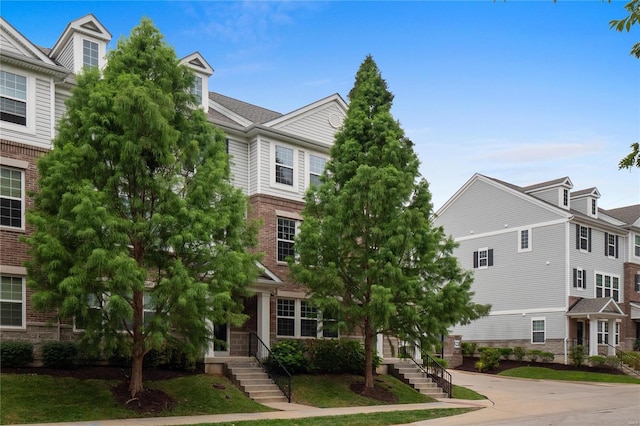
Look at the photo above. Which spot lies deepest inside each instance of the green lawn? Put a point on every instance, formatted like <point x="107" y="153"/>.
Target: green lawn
<point x="574" y="375"/>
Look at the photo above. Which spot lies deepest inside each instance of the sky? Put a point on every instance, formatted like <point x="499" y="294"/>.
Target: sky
<point x="522" y="91"/>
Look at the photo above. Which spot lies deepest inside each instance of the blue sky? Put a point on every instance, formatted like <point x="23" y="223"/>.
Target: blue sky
<point x="520" y="91"/>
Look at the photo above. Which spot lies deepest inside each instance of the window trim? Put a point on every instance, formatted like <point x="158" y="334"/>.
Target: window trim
<point x="580" y="238"/>
<point x="30" y="127"/>
<point x="23" y="302"/>
<point x="97" y="50"/>
<point x="602" y="335"/>
<point x="611" y="277"/>
<point x="272" y="166"/>
<point x="544" y="330"/>
<point x="477" y="259"/>
<point x="636" y="245"/>
<point x="297" y="321"/>
<point x="278" y="239"/>
<point x="579" y="278"/>
<point x="309" y="173"/>
<point x="520" y="240"/>
<point x="6" y="163"/>
<point x="611" y="245"/>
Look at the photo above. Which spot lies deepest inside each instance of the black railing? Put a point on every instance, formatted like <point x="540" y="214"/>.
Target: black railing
<point x="630" y="360"/>
<point x="276" y="371"/>
<point x="435" y="372"/>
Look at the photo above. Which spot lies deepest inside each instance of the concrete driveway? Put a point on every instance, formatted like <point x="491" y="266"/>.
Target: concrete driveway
<point x="546" y="402"/>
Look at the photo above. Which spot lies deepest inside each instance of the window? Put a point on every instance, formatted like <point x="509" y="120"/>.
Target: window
<point x="308" y="320"/>
<point x="316" y="168"/>
<point x="537" y="330"/>
<point x="11" y="301"/>
<point x="610" y="245"/>
<point x="196" y="89"/>
<point x="616" y="334"/>
<point x="286" y="237"/>
<point x="96" y="304"/>
<point x="524" y="240"/>
<point x="483" y="258"/>
<point x="13" y="98"/>
<point x="608" y="286"/>
<point x="329" y="324"/>
<point x="637" y="282"/>
<point x="89" y="54"/>
<point x="593" y="207"/>
<point x="284" y="165"/>
<point x="603" y="332"/>
<point x="565" y="197"/>
<point x="11" y="197"/>
<point x="583" y="238"/>
<point x="636" y="245"/>
<point x="298" y="318"/>
<point x="579" y="278"/>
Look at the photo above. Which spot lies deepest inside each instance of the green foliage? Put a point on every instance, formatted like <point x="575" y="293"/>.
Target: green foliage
<point x="577" y="355"/>
<point x="518" y="353"/>
<point x="469" y="348"/>
<point x="631" y="359"/>
<point x="489" y="359"/>
<point x="612" y="361"/>
<point x="534" y="355"/>
<point x="636" y="345"/>
<point x="443" y="362"/>
<point x="62" y="355"/>
<point x="136" y="215"/>
<point x="15" y="354"/>
<point x="505" y="353"/>
<point x="290" y="353"/>
<point x="547" y="356"/>
<point x="338" y="356"/>
<point x="625" y="24"/>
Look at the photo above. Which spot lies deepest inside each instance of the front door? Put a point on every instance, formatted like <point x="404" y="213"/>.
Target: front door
<point x="221" y="340"/>
<point x="580" y="333"/>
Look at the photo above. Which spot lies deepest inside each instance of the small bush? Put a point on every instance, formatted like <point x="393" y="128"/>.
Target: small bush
<point x="443" y="362"/>
<point x="173" y="357"/>
<point x="612" y="361"/>
<point x="336" y="356"/>
<point x="482" y="349"/>
<point x="519" y="353"/>
<point x="481" y="366"/>
<point x="597" y="360"/>
<point x="63" y="355"/>
<point x="490" y="358"/>
<point x="534" y="355"/>
<point x="290" y="353"/>
<point x="631" y="359"/>
<point x="577" y="355"/>
<point x="505" y="353"/>
<point x="469" y="348"/>
<point x="547" y="356"/>
<point x="636" y="345"/>
<point x="16" y="354"/>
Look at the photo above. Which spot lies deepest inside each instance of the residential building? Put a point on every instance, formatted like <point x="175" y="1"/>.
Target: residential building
<point x="274" y="158"/>
<point x="557" y="269"/>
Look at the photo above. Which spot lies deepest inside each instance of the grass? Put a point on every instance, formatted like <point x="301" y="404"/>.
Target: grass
<point x="460" y="392"/>
<point x="543" y="373"/>
<point x="327" y="391"/>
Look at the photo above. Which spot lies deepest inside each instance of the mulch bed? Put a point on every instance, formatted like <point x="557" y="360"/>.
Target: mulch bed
<point x="469" y="364"/>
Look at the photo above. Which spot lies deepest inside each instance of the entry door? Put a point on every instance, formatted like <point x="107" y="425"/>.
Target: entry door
<point x="580" y="333"/>
<point x="221" y="342"/>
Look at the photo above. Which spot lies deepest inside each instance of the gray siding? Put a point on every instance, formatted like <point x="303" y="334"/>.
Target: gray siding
<point x="551" y="195"/>
<point x="253" y="167"/>
<point x="66" y="56"/>
<point x="512" y="327"/>
<point x="239" y="164"/>
<point x="486" y="208"/>
<point x="7" y="46"/>
<point x="313" y="125"/>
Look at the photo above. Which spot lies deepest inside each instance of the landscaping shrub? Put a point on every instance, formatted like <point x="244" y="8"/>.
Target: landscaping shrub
<point x="443" y="362"/>
<point x="489" y="359"/>
<point x="337" y="356"/>
<point x="16" y="354"/>
<point x="534" y="355"/>
<point x="63" y="355"/>
<point x="597" y="360"/>
<point x="577" y="355"/>
<point x="290" y="353"/>
<point x="519" y="353"/>
<point x="547" y="356"/>
<point x="631" y="359"/>
<point x="173" y="357"/>
<point x="505" y="353"/>
<point x="469" y="348"/>
<point x="612" y="361"/>
<point x="636" y="345"/>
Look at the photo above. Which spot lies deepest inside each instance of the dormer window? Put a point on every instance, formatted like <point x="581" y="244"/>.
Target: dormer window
<point x="89" y="54"/>
<point x="196" y="89"/>
<point x="565" y="197"/>
<point x="594" y="208"/>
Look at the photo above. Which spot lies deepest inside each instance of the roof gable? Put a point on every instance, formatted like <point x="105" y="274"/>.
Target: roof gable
<point x="13" y="43"/>
<point x="88" y="25"/>
<point x="196" y="62"/>
<point x="233" y="111"/>
<point x="630" y="215"/>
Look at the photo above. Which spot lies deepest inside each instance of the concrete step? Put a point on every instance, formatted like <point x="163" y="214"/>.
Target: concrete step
<point x="255" y="382"/>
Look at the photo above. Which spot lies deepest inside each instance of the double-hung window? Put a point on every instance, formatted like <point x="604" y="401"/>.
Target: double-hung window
<point x="298" y="318"/>
<point x="196" y="89"/>
<point x="284" y="165"/>
<point x="603" y="332"/>
<point x="286" y="238"/>
<point x="579" y="278"/>
<point x="583" y="238"/>
<point x="12" y="307"/>
<point x="610" y="245"/>
<point x="616" y="334"/>
<point x="89" y="54"/>
<point x="537" y="330"/>
<point x="308" y="320"/>
<point x="483" y="258"/>
<point x="316" y="168"/>
<point x="608" y="286"/>
<point x="11" y="197"/>
<point x="636" y="245"/>
<point x="13" y="98"/>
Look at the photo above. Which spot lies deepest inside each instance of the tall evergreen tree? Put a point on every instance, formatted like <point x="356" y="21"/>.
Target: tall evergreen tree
<point x="138" y="233"/>
<point x="367" y="249"/>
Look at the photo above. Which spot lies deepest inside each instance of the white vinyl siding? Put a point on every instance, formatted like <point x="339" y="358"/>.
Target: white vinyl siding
<point x="314" y="125"/>
<point x="512" y="326"/>
<point x="66" y="56"/>
<point x="238" y="161"/>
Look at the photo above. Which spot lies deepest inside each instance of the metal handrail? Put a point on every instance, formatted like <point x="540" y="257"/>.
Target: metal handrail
<point x="631" y="361"/>
<point x="437" y="373"/>
<point x="271" y="365"/>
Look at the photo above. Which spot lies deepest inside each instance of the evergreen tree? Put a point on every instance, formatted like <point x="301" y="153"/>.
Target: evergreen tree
<point x="138" y="233"/>
<point x="367" y="249"/>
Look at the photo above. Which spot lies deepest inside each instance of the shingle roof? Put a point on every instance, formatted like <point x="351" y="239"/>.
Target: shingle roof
<point x="595" y="306"/>
<point x="253" y="113"/>
<point x="628" y="214"/>
<point x="544" y="184"/>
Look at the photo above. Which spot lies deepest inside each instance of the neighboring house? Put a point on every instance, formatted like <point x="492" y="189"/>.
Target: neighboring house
<point x="557" y="269"/>
<point x="274" y="159"/>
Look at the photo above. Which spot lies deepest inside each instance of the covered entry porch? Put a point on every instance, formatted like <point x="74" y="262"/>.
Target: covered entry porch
<point x="596" y="323"/>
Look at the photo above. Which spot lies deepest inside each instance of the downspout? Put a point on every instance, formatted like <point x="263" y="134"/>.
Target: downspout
<point x="52" y="100"/>
<point x="567" y="273"/>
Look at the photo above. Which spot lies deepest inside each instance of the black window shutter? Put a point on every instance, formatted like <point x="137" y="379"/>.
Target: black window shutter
<point x="475" y="259"/>
<point x="589" y="240"/>
<point x="577" y="236"/>
<point x="606" y="244"/>
<point x="490" y="258"/>
<point x="584" y="278"/>
<point x="575" y="277"/>
<point x="617" y="244"/>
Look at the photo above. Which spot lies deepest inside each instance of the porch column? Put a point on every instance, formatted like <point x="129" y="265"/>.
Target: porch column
<point x="611" y="351"/>
<point x="593" y="337"/>
<point x="417" y="353"/>
<point x="210" y="351"/>
<point x="264" y="317"/>
<point x="380" y="345"/>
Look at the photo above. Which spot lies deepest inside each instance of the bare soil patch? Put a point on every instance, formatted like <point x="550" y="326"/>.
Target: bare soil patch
<point x="378" y="392"/>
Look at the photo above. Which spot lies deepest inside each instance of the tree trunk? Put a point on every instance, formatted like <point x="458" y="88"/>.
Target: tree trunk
<point x="137" y="351"/>
<point x="368" y="355"/>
